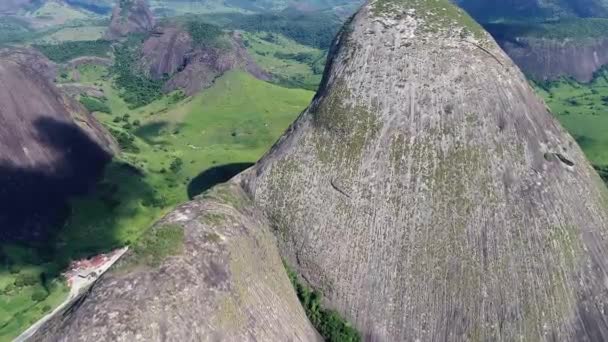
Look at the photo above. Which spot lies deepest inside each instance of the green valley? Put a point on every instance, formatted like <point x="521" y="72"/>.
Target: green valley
<point x="166" y="146"/>
<point x="583" y="110"/>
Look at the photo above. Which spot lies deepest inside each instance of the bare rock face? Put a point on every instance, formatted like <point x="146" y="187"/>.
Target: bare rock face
<point x="50" y="148"/>
<point x="226" y="284"/>
<point x="549" y="59"/>
<point x="430" y="194"/>
<point x="130" y="16"/>
<point x="426" y="191"/>
<point x="166" y="51"/>
<point x="31" y="58"/>
<point x="171" y="53"/>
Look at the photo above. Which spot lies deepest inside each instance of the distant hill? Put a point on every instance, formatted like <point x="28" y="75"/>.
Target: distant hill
<point x="548" y="39"/>
<point x="499" y="10"/>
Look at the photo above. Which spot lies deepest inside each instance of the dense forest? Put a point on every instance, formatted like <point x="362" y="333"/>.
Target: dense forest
<point x="66" y="51"/>
<point x="136" y="89"/>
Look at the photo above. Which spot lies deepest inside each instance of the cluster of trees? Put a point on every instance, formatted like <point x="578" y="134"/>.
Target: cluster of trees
<point x="136" y="89"/>
<point x="126" y="141"/>
<point x="66" y="51"/>
<point x="94" y="105"/>
<point x="328" y="323"/>
<point x="203" y="33"/>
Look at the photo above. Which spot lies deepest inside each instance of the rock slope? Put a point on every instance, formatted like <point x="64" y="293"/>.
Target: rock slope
<point x="426" y="191"/>
<point x="430" y="195"/>
<point x="550" y="59"/>
<point x="170" y="52"/>
<point x="130" y="16"/>
<point x="227" y="284"/>
<point x="50" y="147"/>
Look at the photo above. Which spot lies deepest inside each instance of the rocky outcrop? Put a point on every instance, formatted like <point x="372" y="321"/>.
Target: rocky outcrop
<point x="31" y="58"/>
<point x="130" y="16"/>
<point x="430" y="195"/>
<point x="227" y="284"/>
<point x="50" y="148"/>
<point x="170" y="53"/>
<point x="76" y="89"/>
<point x="166" y="51"/>
<point x="549" y="59"/>
<point x="426" y="191"/>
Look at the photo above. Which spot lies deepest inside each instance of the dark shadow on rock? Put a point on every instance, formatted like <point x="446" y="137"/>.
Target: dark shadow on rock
<point x="213" y="176"/>
<point x="34" y="200"/>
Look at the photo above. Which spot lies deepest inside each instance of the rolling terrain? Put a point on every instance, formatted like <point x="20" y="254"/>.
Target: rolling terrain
<point x="426" y="191"/>
<point x="190" y="110"/>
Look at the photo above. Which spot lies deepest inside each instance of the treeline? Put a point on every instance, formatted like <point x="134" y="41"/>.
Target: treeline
<point x="66" y="51"/>
<point x="317" y="29"/>
<point x="203" y="33"/>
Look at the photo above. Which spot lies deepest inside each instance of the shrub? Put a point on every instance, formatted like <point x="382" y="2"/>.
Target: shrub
<point x="176" y="165"/>
<point x="26" y="279"/>
<point x="328" y="323"/>
<point x="125" y="141"/>
<point x="39" y="296"/>
<point x="203" y="33"/>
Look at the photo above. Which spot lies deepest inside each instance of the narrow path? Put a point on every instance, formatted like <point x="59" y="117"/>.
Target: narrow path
<point x="80" y="280"/>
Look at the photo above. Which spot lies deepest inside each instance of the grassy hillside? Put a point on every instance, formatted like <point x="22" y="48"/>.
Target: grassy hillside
<point x="583" y="110"/>
<point x="174" y="148"/>
<point x="291" y="64"/>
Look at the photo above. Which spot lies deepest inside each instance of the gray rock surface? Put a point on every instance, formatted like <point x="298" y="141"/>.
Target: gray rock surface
<point x="130" y="16"/>
<point x="227" y="284"/>
<point x="550" y="59"/>
<point x="430" y="194"/>
<point x="426" y="191"/>
<point x="50" y="147"/>
<point x="203" y="64"/>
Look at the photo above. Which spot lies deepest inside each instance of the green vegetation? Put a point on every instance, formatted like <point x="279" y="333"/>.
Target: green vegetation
<point x="94" y="105"/>
<point x="203" y="33"/>
<point x="290" y="63"/>
<point x="73" y="33"/>
<point x="14" y="30"/>
<point x="29" y="287"/>
<point x="166" y="144"/>
<point x="583" y="110"/>
<point x="567" y="28"/>
<point x="328" y="323"/>
<point x="137" y="89"/>
<point x="157" y="244"/>
<point x="66" y="51"/>
<point x="314" y="29"/>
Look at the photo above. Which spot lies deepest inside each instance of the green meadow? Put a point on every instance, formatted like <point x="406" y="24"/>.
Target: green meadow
<point x="583" y="111"/>
<point x="172" y="149"/>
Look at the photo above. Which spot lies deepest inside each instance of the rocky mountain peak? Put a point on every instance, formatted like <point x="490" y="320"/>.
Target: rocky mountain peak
<point x="130" y="16"/>
<point x="427" y="192"/>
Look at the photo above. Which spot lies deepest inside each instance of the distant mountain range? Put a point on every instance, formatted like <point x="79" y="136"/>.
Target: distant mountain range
<point x="500" y="10"/>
